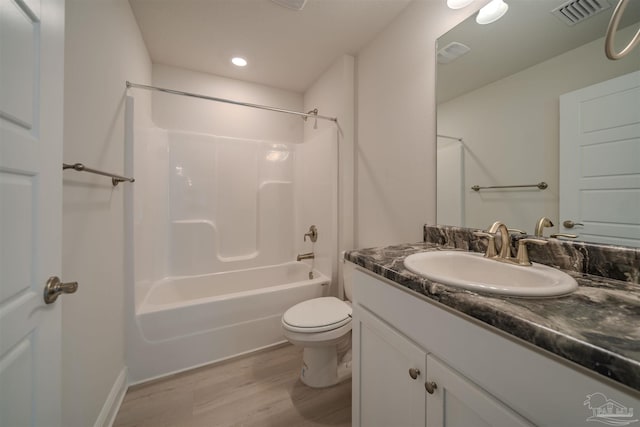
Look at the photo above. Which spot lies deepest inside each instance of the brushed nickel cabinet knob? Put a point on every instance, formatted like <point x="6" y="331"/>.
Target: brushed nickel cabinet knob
<point x="414" y="372"/>
<point x="430" y="386"/>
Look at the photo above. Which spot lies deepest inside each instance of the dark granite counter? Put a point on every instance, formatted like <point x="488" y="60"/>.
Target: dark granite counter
<point x="597" y="326"/>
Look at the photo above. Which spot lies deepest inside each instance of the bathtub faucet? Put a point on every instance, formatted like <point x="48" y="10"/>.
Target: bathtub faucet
<point x="308" y="255"/>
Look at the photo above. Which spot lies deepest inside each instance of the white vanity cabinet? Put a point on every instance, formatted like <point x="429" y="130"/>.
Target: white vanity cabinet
<point x="391" y="375"/>
<point x="457" y="402"/>
<point x="400" y="385"/>
<point x="475" y="376"/>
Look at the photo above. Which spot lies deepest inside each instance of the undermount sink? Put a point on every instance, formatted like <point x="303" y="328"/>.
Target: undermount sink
<point x="474" y="272"/>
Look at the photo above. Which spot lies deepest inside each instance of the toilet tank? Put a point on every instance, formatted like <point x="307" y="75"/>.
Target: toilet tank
<point x="347" y="278"/>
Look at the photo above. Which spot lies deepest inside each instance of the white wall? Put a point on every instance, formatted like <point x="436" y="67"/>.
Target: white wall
<point x="197" y="115"/>
<point x="333" y="94"/>
<point x="511" y="133"/>
<point x="450" y="180"/>
<point x="395" y="149"/>
<point x="103" y="48"/>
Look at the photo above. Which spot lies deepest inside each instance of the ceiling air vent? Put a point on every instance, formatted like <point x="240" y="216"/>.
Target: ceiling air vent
<point x="451" y="52"/>
<point x="575" y="11"/>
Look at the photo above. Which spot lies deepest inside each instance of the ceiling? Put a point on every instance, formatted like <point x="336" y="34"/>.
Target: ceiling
<point x="285" y="48"/>
<point x="527" y="35"/>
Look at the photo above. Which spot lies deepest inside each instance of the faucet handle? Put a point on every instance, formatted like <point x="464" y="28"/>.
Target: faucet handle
<point x="312" y="234"/>
<point x="523" y="254"/>
<point x="517" y="230"/>
<point x="568" y="236"/>
<point x="491" y="243"/>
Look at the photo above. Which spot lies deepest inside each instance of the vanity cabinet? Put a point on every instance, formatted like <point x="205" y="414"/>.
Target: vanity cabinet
<point x="391" y="375"/>
<point x="474" y="376"/>
<point x="457" y="402"/>
<point x="400" y="384"/>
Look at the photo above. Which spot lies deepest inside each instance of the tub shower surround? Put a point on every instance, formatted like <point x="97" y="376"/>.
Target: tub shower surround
<point x="216" y="223"/>
<point x="597" y="326"/>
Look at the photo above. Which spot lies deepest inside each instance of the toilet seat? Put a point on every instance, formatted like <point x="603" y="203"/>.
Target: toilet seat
<point x="317" y="315"/>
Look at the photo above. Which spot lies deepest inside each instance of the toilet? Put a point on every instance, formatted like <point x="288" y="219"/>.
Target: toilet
<point x="322" y="326"/>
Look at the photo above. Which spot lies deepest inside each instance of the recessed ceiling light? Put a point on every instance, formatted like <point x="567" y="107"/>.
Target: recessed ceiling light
<point x="458" y="4"/>
<point x="492" y="12"/>
<point x="238" y="61"/>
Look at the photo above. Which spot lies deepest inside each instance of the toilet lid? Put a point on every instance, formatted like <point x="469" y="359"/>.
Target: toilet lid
<point x="317" y="315"/>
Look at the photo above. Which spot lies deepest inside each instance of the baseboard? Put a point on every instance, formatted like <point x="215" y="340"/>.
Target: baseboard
<point x="111" y="406"/>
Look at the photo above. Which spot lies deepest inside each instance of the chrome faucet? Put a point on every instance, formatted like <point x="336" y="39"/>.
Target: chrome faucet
<point x="308" y="255"/>
<point x="541" y="224"/>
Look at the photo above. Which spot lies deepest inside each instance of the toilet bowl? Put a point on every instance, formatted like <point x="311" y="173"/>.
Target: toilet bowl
<point x="322" y="326"/>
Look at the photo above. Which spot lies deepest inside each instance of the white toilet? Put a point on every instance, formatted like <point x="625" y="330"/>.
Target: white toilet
<point x="323" y="327"/>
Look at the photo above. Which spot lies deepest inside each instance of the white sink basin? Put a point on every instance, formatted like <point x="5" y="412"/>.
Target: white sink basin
<point x="473" y="271"/>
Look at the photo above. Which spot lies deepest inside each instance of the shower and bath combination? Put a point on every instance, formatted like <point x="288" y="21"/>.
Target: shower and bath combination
<point x="213" y="266"/>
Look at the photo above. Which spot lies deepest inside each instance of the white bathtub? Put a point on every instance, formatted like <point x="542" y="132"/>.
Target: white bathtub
<point x="189" y="321"/>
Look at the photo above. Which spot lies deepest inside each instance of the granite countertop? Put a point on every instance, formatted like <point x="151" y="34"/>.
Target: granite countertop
<point x="597" y="326"/>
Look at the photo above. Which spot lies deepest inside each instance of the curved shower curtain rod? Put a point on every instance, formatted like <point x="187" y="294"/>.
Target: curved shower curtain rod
<point x="311" y="114"/>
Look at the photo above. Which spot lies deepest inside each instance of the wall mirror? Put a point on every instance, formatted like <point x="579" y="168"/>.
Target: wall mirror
<point x="532" y="98"/>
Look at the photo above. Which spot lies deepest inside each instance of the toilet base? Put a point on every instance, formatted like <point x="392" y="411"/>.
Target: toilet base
<point x="326" y="365"/>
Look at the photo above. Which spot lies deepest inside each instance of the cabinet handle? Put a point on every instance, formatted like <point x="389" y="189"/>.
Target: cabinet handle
<point x="414" y="372"/>
<point x="430" y="387"/>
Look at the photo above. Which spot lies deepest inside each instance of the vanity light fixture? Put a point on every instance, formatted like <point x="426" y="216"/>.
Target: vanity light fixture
<point x="492" y="12"/>
<point x="458" y="4"/>
<point x="239" y="61"/>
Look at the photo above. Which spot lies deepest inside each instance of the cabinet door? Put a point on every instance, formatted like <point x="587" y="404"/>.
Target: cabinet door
<point x="457" y="402"/>
<point x="385" y="394"/>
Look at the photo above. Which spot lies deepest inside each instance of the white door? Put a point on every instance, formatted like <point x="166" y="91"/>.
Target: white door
<point x="454" y="401"/>
<point x="600" y="161"/>
<point x="31" y="88"/>
<point x="390" y="376"/>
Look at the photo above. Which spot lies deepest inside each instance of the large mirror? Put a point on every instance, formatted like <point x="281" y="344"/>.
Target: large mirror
<point x="533" y="101"/>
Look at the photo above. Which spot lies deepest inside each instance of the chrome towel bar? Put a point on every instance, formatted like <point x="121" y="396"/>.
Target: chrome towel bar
<point x="457" y="138"/>
<point x="541" y="185"/>
<point x="115" y="179"/>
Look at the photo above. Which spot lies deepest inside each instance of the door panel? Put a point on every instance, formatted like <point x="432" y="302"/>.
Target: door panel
<point x="18" y="35"/>
<point x="600" y="161"/>
<point x="457" y="402"/>
<point x="389" y="396"/>
<point x="31" y="83"/>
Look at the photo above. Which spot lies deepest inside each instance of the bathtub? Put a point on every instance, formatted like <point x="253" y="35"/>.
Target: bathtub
<point x="184" y="322"/>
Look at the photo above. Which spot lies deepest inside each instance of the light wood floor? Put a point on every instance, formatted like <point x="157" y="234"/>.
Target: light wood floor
<point x="261" y="389"/>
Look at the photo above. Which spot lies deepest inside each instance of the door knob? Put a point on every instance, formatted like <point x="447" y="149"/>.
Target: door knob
<point x="414" y="372"/>
<point x="55" y="287"/>
<point x="570" y="224"/>
<point x="430" y="387"/>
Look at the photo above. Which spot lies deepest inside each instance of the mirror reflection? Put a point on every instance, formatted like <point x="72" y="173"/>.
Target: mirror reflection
<point x="532" y="99"/>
